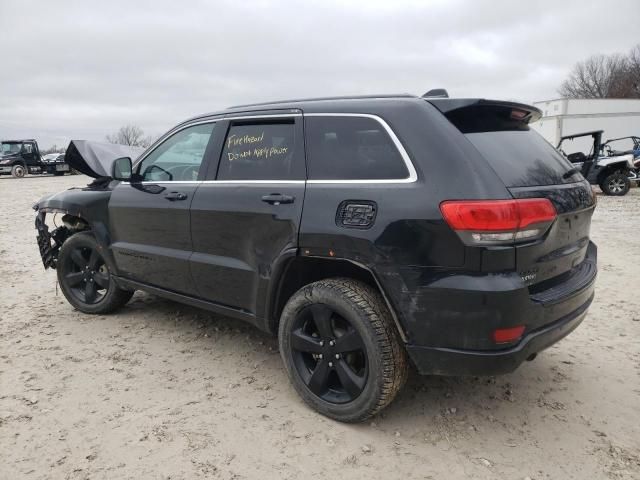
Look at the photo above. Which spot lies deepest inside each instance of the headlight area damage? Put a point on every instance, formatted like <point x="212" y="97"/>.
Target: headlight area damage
<point x="49" y="242"/>
<point x="81" y="208"/>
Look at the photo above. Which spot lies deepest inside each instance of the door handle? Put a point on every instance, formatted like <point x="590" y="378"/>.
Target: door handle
<point x="173" y="196"/>
<point x="277" y="198"/>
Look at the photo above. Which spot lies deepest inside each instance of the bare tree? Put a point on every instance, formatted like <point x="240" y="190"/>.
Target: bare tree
<point x="130" y="135"/>
<point x="604" y="76"/>
<point x="634" y="70"/>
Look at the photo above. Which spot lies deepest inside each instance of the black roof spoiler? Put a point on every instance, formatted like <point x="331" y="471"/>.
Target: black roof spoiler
<point x="448" y="105"/>
<point x="582" y="134"/>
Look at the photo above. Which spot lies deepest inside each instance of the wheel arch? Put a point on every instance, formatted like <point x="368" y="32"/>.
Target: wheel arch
<point x="611" y="168"/>
<point x="297" y="271"/>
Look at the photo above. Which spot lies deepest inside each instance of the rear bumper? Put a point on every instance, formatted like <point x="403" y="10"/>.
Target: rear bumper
<point x="447" y="361"/>
<point x="451" y="324"/>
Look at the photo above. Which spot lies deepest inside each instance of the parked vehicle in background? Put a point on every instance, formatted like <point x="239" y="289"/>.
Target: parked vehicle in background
<point x="19" y="157"/>
<point x="366" y="233"/>
<point x="626" y="146"/>
<point x="610" y="172"/>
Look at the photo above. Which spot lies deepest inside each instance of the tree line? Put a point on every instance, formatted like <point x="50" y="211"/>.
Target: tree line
<point x="605" y="76"/>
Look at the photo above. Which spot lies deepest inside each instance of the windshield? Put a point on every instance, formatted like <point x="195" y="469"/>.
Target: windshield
<point x="9" y="148"/>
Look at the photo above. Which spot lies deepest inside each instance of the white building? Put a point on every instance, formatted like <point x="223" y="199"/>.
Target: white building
<point x="560" y="117"/>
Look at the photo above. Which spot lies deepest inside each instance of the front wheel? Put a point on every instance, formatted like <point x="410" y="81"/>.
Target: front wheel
<point x="341" y="349"/>
<point x="84" y="277"/>
<point x="18" y="171"/>
<point x="616" y="184"/>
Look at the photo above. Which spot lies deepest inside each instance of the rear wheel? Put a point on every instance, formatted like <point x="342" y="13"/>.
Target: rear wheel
<point x="84" y="277"/>
<point x="18" y="171"/>
<point x="617" y="184"/>
<point x="340" y="348"/>
<point x="58" y="174"/>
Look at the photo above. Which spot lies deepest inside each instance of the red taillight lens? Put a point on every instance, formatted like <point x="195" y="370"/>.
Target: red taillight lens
<point x="508" y="335"/>
<point x="490" y="222"/>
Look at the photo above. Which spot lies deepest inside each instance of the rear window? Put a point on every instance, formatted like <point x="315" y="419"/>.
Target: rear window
<point x="518" y="155"/>
<point x="522" y="158"/>
<point x="351" y="148"/>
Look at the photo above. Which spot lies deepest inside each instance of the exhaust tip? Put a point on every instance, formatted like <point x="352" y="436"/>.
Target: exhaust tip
<point x="532" y="357"/>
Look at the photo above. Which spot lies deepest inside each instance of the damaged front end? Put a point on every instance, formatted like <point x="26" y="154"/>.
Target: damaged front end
<point x="79" y="209"/>
<point x="49" y="242"/>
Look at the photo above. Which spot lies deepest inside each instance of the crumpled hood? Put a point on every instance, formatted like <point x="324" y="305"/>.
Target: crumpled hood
<point x="95" y="158"/>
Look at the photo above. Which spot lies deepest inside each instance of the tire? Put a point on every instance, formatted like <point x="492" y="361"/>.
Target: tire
<point x="85" y="279"/>
<point x="19" y="171"/>
<point x="616" y="184"/>
<point x="58" y="174"/>
<point x="341" y="349"/>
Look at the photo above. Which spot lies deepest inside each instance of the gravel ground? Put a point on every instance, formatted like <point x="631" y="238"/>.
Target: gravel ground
<point x="161" y="390"/>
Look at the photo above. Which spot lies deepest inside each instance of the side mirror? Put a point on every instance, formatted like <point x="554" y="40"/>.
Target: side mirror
<point x="121" y="169"/>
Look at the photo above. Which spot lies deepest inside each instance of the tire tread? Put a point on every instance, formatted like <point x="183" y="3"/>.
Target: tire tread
<point x="367" y="300"/>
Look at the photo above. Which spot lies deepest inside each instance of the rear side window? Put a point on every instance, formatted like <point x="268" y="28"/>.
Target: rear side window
<point x="261" y="151"/>
<point x="351" y="148"/>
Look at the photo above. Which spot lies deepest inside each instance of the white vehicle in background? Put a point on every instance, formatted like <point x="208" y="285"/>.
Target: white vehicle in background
<point x="612" y="171"/>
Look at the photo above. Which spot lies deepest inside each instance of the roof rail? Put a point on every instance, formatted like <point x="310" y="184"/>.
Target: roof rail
<point x="321" y="99"/>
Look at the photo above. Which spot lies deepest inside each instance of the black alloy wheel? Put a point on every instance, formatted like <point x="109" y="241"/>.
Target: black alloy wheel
<point x="84" y="276"/>
<point x="341" y="348"/>
<point x="329" y="354"/>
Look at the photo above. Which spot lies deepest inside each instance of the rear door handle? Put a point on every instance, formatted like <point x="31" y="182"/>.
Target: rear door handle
<point x="173" y="196"/>
<point x="277" y="198"/>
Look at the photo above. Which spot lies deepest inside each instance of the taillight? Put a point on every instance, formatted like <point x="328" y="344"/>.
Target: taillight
<point x="498" y="222"/>
<point x="508" y="335"/>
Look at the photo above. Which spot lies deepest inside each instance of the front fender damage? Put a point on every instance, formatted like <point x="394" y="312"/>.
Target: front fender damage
<point x="81" y="209"/>
<point x="49" y="243"/>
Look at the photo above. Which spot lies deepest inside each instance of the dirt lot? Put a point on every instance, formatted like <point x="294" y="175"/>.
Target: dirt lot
<point x="161" y="390"/>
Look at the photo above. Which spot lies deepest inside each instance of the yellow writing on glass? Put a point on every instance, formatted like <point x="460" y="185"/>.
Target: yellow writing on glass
<point x="238" y="140"/>
<point x="265" y="152"/>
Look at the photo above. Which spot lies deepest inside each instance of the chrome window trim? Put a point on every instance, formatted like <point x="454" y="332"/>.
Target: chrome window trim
<point x="253" y="182"/>
<point x="413" y="175"/>
<point x="221" y="182"/>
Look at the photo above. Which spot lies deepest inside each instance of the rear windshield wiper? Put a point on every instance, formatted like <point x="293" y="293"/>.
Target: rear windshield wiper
<point x="570" y="173"/>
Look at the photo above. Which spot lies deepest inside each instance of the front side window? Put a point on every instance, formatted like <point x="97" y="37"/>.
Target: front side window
<point x="351" y="148"/>
<point x="261" y="151"/>
<point x="179" y="157"/>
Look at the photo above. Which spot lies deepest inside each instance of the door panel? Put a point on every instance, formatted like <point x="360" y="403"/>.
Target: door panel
<point x="244" y="218"/>
<point x="150" y="233"/>
<point x="237" y="237"/>
<point x="149" y="218"/>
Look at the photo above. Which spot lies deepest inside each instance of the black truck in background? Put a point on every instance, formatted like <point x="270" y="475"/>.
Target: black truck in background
<point x="19" y="157"/>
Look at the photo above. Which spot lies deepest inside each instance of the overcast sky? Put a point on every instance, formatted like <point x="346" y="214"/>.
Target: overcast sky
<point x="82" y="69"/>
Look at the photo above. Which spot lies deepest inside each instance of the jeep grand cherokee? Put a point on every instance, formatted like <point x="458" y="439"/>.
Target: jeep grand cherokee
<point x="368" y="233"/>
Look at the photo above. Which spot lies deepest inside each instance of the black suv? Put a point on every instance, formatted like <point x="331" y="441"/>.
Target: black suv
<point x="366" y="232"/>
